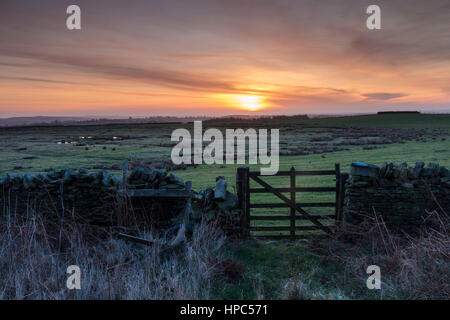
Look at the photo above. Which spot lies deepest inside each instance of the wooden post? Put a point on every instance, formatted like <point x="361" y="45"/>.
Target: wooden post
<point x="342" y="181"/>
<point x="188" y="208"/>
<point x="123" y="200"/>
<point x="293" y="186"/>
<point x="239" y="186"/>
<point x="124" y="175"/>
<point x="243" y="190"/>
<point x="337" y="169"/>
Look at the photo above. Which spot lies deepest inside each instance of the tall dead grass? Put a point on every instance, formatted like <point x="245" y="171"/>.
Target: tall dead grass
<point x="35" y="254"/>
<point x="412" y="266"/>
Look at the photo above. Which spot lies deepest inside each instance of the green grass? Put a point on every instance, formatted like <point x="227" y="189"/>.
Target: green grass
<point x="269" y="268"/>
<point x="143" y="141"/>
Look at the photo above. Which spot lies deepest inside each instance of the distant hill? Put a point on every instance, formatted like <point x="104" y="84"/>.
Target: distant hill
<point x="52" y="121"/>
<point x="66" y="121"/>
<point x="26" y="121"/>
<point x="246" y="118"/>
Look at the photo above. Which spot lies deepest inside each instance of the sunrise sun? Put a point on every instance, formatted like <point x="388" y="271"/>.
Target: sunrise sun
<point x="245" y="102"/>
<point x="251" y="103"/>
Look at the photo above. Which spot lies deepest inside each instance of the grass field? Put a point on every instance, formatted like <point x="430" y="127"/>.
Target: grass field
<point x="308" y="144"/>
<point x="34" y="149"/>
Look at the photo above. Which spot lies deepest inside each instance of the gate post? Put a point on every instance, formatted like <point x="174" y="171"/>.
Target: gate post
<point x="243" y="192"/>
<point x="342" y="181"/>
<point x="293" y="185"/>
<point x="337" y="169"/>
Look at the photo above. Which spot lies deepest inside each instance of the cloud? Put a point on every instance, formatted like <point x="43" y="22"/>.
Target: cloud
<point x="198" y="81"/>
<point x="383" y="95"/>
<point x="40" y="80"/>
<point x="119" y="70"/>
<point x="7" y="64"/>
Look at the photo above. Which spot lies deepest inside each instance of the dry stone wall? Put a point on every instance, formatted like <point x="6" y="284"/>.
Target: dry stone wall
<point x="88" y="196"/>
<point x="93" y="197"/>
<point x="401" y="194"/>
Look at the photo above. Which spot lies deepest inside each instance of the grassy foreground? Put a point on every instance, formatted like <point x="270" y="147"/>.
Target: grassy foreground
<point x="34" y="256"/>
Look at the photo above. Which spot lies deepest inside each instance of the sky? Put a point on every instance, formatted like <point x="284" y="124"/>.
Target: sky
<point x="210" y="57"/>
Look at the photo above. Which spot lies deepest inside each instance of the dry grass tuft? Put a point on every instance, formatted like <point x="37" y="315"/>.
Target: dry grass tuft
<point x="229" y="269"/>
<point x="301" y="287"/>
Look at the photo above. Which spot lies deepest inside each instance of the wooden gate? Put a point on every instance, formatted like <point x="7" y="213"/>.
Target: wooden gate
<point x="297" y="210"/>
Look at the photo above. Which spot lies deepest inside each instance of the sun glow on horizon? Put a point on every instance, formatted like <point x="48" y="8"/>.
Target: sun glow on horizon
<point x="245" y="102"/>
